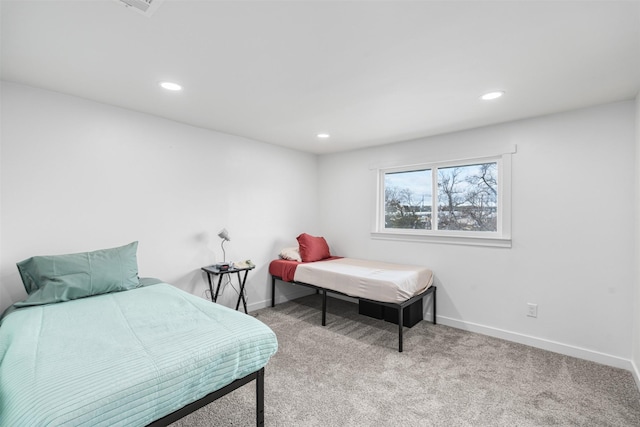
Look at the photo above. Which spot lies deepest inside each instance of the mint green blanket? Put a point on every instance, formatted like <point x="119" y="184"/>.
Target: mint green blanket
<point x="124" y="358"/>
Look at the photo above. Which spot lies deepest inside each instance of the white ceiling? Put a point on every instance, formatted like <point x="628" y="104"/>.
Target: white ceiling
<point x="367" y="72"/>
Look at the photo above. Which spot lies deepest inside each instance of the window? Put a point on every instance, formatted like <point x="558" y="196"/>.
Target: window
<point x="464" y="202"/>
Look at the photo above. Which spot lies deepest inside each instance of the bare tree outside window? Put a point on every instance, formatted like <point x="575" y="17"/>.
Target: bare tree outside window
<point x="408" y="200"/>
<point x="467" y="198"/>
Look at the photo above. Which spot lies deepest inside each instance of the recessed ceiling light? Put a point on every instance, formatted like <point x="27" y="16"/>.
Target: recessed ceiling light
<point x="170" y="86"/>
<point x="492" y="95"/>
<point x="323" y="135"/>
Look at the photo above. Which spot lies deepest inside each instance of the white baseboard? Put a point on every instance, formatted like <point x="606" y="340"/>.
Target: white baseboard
<point x="556" y="347"/>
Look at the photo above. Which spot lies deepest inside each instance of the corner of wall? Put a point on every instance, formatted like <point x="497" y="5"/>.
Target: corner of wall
<point x="635" y="351"/>
<point x="635" y="373"/>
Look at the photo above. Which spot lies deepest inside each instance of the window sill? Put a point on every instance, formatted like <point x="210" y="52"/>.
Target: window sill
<point x="495" y="242"/>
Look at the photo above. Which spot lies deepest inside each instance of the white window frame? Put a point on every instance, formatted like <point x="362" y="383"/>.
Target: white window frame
<point x="499" y="238"/>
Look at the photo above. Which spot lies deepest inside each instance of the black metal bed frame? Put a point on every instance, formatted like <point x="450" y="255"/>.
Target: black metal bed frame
<point x="399" y="306"/>
<point x="194" y="406"/>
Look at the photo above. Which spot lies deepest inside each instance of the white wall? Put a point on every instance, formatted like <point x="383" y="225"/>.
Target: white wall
<point x="77" y="176"/>
<point x="573" y="239"/>
<point x="636" y="299"/>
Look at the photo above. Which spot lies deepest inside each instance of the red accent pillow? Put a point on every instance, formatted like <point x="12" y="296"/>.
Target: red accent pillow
<point x="312" y="248"/>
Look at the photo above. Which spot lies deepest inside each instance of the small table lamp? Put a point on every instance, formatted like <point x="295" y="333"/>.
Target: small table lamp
<point x="224" y="235"/>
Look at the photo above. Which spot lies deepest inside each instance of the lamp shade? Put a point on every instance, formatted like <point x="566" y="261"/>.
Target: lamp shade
<point x="224" y="234"/>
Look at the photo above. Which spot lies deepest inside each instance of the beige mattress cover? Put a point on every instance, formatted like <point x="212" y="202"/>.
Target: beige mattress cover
<point x="374" y="280"/>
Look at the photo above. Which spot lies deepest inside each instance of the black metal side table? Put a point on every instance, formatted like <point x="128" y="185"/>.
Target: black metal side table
<point x="213" y="270"/>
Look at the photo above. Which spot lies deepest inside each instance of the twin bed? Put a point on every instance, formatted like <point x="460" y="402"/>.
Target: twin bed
<point x="145" y="353"/>
<point x="95" y="345"/>
<point x="384" y="290"/>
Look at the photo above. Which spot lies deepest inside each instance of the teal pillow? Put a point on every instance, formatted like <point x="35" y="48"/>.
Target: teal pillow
<point x="56" y="278"/>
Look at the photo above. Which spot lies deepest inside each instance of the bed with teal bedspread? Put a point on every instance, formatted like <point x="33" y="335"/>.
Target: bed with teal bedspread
<point x="123" y="358"/>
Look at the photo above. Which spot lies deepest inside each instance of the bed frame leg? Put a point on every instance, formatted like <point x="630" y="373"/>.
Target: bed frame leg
<point x="324" y="307"/>
<point x="273" y="291"/>
<point x="260" y="398"/>
<point x="434" y="305"/>
<point x="400" y="327"/>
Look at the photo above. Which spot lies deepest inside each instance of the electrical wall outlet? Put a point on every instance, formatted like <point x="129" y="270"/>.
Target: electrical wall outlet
<point x="532" y="310"/>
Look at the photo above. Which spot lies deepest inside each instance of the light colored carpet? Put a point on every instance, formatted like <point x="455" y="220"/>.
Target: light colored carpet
<point x="350" y="373"/>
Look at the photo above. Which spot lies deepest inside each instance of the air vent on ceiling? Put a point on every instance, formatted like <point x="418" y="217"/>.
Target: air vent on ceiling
<point x="145" y="7"/>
